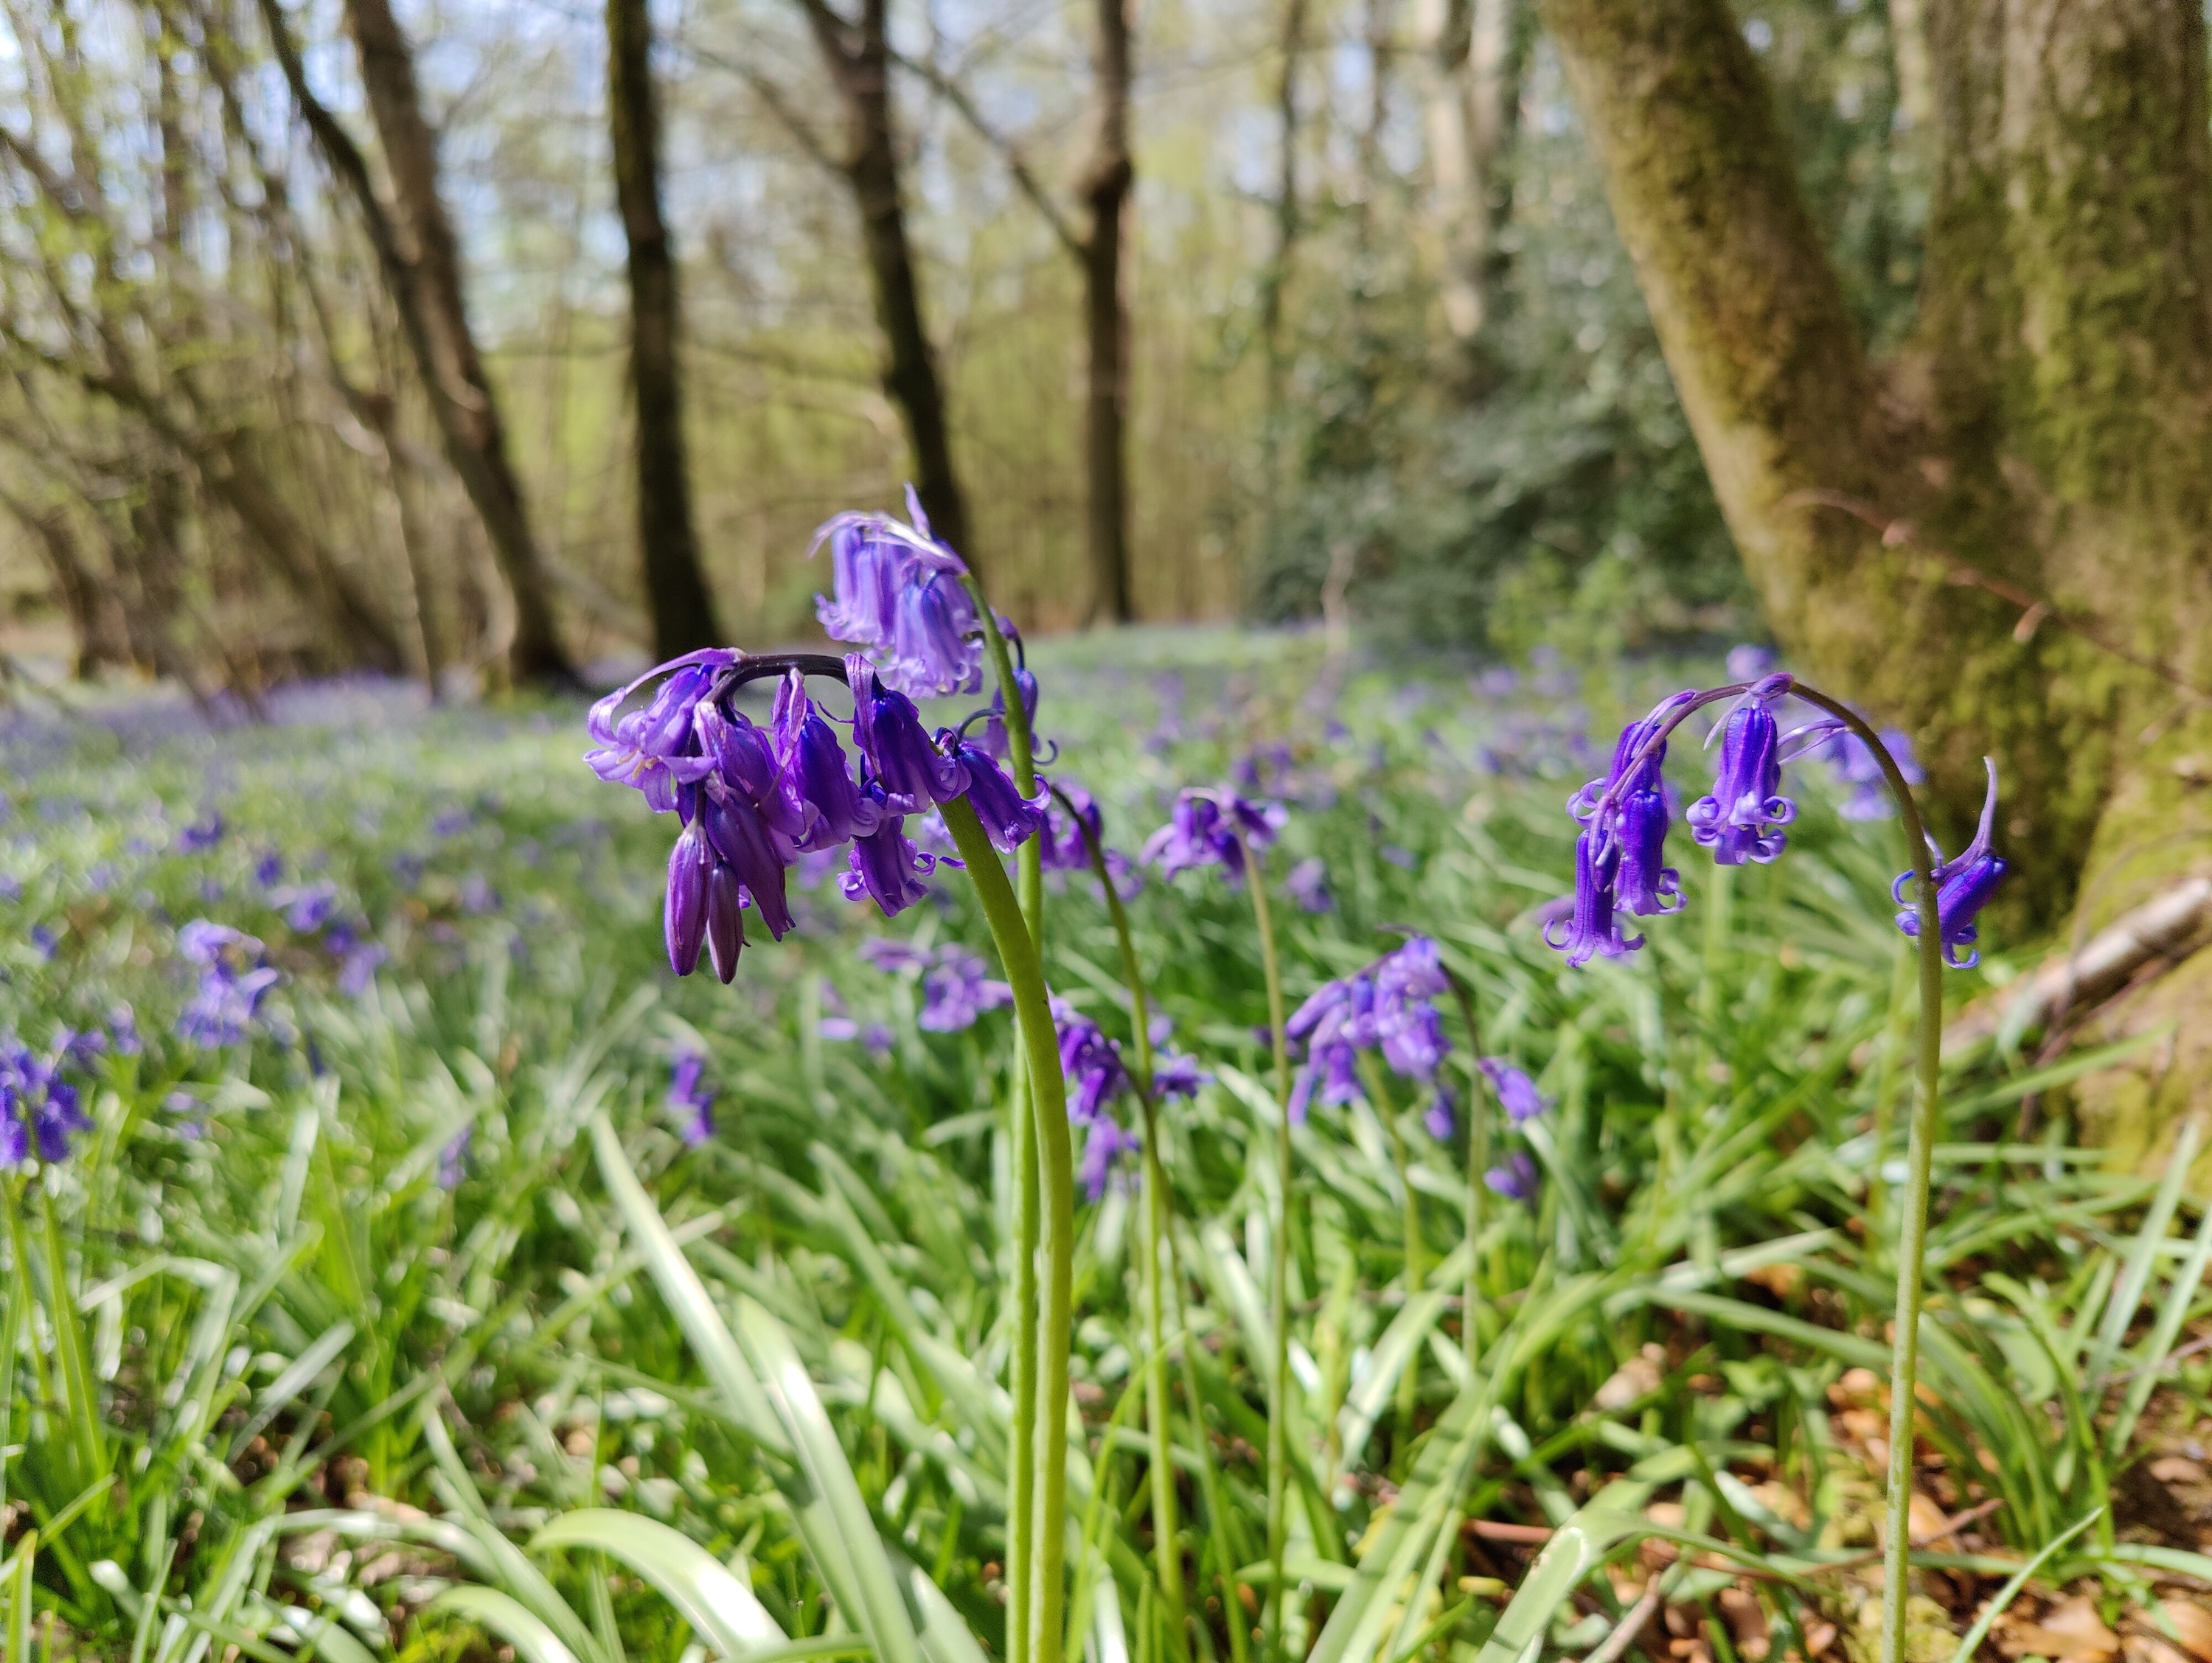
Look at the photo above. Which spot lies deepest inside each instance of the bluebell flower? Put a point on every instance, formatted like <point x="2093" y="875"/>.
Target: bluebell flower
<point x="1387" y="1006"/>
<point x="887" y="867"/>
<point x="308" y="908"/>
<point x="651" y="749"/>
<point x="1591" y="931"/>
<point x="894" y="956"/>
<point x="1516" y="1179"/>
<point x="740" y="838"/>
<point x="1963" y="887"/>
<point x="1628" y="811"/>
<point x="1173" y="1073"/>
<point x="1516" y="1093"/>
<point x="690" y="1099"/>
<point x="45" y="940"/>
<point x="912" y="772"/>
<point x="1438" y="1118"/>
<point x="684" y="910"/>
<point x="1209" y="828"/>
<point x="1008" y="818"/>
<point x="897" y="592"/>
<point x="1307" y="883"/>
<point x="1105" y="1144"/>
<point x="1062" y="846"/>
<point x="1855" y="766"/>
<point x="123" y="1030"/>
<point x="956" y="991"/>
<point x="477" y="897"/>
<point x="40" y="1112"/>
<point x="453" y="1159"/>
<point x="236" y="977"/>
<point x="1738" y="821"/>
<point x="269" y="868"/>
<point x="357" y="967"/>
<point x="995" y="742"/>
<point x="815" y="780"/>
<point x="1748" y="663"/>
<point x="201" y="835"/>
<point x="1092" y="1066"/>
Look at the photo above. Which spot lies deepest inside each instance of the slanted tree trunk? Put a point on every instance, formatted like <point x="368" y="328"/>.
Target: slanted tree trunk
<point x="858" y="56"/>
<point x="2046" y="425"/>
<point x="676" y="593"/>
<point x="84" y="604"/>
<point x="420" y="261"/>
<point x="1107" y="183"/>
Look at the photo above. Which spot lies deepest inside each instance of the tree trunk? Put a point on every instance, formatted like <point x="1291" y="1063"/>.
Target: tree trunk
<point x="423" y="258"/>
<point x="83" y="601"/>
<point x="1470" y="49"/>
<point x="676" y="590"/>
<point x="1107" y="183"/>
<point x="858" y="56"/>
<point x="2044" y="431"/>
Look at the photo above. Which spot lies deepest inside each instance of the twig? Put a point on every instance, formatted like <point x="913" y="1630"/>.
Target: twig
<point x="1625" y="1630"/>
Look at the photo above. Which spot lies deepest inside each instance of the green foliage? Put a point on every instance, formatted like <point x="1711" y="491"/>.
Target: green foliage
<point x="271" y="1381"/>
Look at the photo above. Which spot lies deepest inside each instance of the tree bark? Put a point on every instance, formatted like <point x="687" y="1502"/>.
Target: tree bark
<point x="421" y="261"/>
<point x="1107" y="184"/>
<point x="676" y="592"/>
<point x="858" y="56"/>
<point x="82" y="600"/>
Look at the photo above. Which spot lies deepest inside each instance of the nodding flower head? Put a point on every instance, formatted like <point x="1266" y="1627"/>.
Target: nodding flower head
<point x="1738" y="822"/>
<point x="1591" y="931"/>
<point x="913" y="773"/>
<point x="1384" y="1007"/>
<point x="1963" y="887"/>
<point x="815" y="780"/>
<point x="1213" y="827"/>
<point x="40" y="1112"/>
<point x="1516" y="1179"/>
<point x="956" y="992"/>
<point x="1092" y="1066"/>
<point x="1516" y="1093"/>
<point x="1008" y="818"/>
<point x="1068" y="815"/>
<point x="898" y="593"/>
<point x="235" y="976"/>
<point x="653" y="749"/>
<point x="1628" y="810"/>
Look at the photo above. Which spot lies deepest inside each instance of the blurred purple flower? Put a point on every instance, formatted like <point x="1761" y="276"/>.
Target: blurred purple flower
<point x="1855" y="766"/>
<point x="1516" y="1179"/>
<point x="690" y="1098"/>
<point x="453" y="1158"/>
<point x="39" y="1110"/>
<point x="1211" y="828"/>
<point x="357" y="967"/>
<point x="201" y="835"/>
<point x="235" y="976"/>
<point x="1307" y="883"/>
<point x="957" y="992"/>
<point x="1516" y="1093"/>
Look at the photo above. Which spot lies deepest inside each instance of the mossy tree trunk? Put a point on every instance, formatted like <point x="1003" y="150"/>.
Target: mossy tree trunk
<point x="2048" y="424"/>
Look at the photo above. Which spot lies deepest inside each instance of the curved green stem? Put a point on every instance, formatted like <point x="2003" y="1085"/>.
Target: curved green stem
<point x="1024" y="974"/>
<point x="1912" y="1205"/>
<point x="1023" y="1521"/>
<point x="1279" y="1260"/>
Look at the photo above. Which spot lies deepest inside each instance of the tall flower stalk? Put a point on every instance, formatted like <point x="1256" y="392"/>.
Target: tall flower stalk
<point x="1278" y="1261"/>
<point x="1618" y="859"/>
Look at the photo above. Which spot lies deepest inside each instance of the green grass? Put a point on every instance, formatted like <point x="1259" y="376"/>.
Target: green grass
<point x="272" y="1388"/>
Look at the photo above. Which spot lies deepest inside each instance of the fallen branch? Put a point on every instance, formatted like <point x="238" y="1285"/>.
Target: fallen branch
<point x="2164" y="927"/>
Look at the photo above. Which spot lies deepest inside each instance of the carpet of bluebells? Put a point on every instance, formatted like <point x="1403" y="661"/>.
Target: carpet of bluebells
<point x="325" y="1335"/>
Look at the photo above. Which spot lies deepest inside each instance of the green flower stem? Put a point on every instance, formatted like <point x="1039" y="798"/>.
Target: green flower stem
<point x="1912" y="1205"/>
<point x="1478" y="1163"/>
<point x="1023" y="1521"/>
<point x="1278" y="1261"/>
<point x="1167" y="1550"/>
<point x="1024" y="974"/>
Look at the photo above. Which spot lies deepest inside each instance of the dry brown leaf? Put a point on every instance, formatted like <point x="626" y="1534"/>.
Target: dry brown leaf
<point x="2191" y="1624"/>
<point x="2149" y="1648"/>
<point x="2070" y="1631"/>
<point x="1638" y="1377"/>
<point x="1927" y="1517"/>
<point x="2177" y="1470"/>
